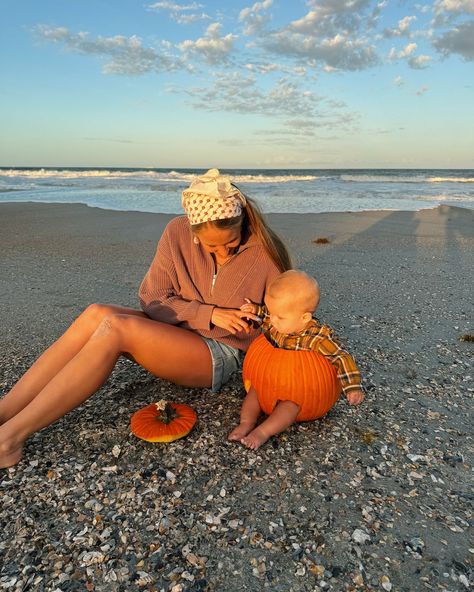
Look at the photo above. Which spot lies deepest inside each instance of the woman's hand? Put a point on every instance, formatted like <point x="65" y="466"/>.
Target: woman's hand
<point x="232" y="320"/>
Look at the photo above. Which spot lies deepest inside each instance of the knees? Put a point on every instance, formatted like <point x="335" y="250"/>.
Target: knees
<point x="99" y="320"/>
<point x="106" y="326"/>
<point x="93" y="318"/>
<point x="95" y="313"/>
<point x="116" y="328"/>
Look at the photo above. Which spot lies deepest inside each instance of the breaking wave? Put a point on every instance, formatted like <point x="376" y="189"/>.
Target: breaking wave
<point x="171" y="176"/>
<point x="404" y="179"/>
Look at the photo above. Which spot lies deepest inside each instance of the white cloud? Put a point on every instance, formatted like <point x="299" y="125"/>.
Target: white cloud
<point x="460" y="6"/>
<point x="285" y="100"/>
<point x="263" y="68"/>
<point x="330" y="17"/>
<point x="176" y="11"/>
<point x="332" y="35"/>
<point x="252" y="18"/>
<point x="299" y="70"/>
<point x="415" y="62"/>
<point x="338" y="52"/>
<point x="245" y="13"/>
<point x="402" y="29"/>
<point x="447" y="11"/>
<point x="172" y="6"/>
<point x="422" y="91"/>
<point x="232" y="92"/>
<point x="408" y="50"/>
<point x="459" y="40"/>
<point x="398" y="81"/>
<point x="114" y="140"/>
<point x="212" y="48"/>
<point x="128" y="56"/>
<point x="376" y="12"/>
<point x="419" y="62"/>
<point x="186" y="19"/>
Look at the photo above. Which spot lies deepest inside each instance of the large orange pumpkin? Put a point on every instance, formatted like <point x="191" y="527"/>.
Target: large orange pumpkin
<point x="305" y="377"/>
<point x="163" y="421"/>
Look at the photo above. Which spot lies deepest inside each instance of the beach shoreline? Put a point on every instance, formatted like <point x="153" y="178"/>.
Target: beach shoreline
<point x="269" y="213"/>
<point x="214" y="515"/>
<point x="277" y="190"/>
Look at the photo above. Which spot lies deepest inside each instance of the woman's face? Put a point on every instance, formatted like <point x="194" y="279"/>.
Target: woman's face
<point x="222" y="243"/>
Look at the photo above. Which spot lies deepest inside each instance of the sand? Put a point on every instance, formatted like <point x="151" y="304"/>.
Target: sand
<point x="367" y="498"/>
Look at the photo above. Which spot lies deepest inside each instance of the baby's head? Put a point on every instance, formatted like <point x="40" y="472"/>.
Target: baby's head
<point x="291" y="299"/>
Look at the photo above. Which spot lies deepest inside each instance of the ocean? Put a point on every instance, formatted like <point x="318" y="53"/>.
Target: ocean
<point x="282" y="190"/>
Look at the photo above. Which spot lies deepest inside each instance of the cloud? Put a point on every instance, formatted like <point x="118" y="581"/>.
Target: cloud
<point x="115" y="140"/>
<point x="252" y="18"/>
<point x="331" y="34"/>
<point x="459" y="6"/>
<point x="238" y="94"/>
<point x="408" y="50"/>
<point x="422" y="91"/>
<point x="398" y="81"/>
<point x="338" y="52"/>
<point x="415" y="62"/>
<point x="298" y="109"/>
<point x="459" y="40"/>
<point x="128" y="56"/>
<point x="264" y="68"/>
<point x="447" y="11"/>
<point x="402" y="29"/>
<point x="172" y="6"/>
<point x="419" y="62"/>
<point x="329" y="17"/>
<point x="176" y="11"/>
<point x="376" y="12"/>
<point x="186" y="19"/>
<point x="212" y="48"/>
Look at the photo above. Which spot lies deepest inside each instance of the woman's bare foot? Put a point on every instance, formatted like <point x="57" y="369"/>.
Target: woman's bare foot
<point x="255" y="438"/>
<point x="10" y="458"/>
<point x="244" y="428"/>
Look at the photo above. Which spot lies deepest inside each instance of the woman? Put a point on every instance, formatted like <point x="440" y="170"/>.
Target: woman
<point x="191" y="330"/>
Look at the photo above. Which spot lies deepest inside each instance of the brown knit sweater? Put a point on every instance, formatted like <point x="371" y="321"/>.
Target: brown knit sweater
<point x="180" y="288"/>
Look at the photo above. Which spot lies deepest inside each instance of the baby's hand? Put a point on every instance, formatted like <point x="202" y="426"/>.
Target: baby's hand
<point x="355" y="397"/>
<point x="249" y="306"/>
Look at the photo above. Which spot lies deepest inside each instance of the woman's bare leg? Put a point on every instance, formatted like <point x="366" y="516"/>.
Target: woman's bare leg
<point x="165" y="350"/>
<point x="56" y="357"/>
<point x="249" y="413"/>
<point x="282" y="416"/>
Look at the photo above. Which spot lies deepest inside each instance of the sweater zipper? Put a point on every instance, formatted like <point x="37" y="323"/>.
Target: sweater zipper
<point x="214" y="277"/>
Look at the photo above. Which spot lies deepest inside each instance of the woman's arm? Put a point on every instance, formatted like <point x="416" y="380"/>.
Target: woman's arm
<point x="159" y="292"/>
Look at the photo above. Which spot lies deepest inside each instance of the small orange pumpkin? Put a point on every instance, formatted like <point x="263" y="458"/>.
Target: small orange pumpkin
<point x="163" y="421"/>
<point x="305" y="377"/>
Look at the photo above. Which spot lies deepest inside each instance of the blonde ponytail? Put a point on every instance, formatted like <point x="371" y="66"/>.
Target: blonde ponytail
<point x="273" y="244"/>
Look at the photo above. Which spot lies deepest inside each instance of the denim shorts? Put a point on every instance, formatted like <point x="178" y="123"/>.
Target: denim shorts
<point x="225" y="361"/>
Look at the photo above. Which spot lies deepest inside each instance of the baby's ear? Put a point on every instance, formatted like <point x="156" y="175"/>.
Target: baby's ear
<point x="307" y="316"/>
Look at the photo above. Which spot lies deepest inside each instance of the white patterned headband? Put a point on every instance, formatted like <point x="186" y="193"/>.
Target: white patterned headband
<point x="212" y="197"/>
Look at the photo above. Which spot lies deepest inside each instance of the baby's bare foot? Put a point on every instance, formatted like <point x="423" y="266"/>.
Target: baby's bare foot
<point x="255" y="439"/>
<point x="241" y="430"/>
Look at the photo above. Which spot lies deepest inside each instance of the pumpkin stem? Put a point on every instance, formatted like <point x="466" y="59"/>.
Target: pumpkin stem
<point x="166" y="413"/>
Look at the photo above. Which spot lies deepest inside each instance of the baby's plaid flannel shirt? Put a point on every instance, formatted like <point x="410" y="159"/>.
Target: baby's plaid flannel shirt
<point x="318" y="338"/>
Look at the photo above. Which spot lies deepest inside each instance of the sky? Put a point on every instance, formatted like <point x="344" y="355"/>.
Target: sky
<point x="236" y="84"/>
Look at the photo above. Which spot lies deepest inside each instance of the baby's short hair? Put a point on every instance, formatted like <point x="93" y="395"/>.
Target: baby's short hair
<point x="303" y="289"/>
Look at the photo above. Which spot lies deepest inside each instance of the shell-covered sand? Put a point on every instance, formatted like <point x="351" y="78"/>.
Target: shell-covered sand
<point x="377" y="497"/>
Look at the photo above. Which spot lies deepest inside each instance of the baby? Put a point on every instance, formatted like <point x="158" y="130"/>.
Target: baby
<point x="288" y="323"/>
